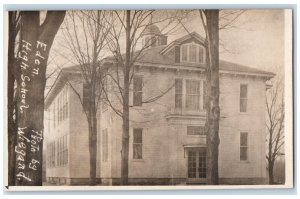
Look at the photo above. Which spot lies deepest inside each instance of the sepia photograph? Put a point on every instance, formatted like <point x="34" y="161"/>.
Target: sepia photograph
<point x="156" y="98"/>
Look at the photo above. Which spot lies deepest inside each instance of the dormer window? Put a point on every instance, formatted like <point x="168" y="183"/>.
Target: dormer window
<point x="192" y="52"/>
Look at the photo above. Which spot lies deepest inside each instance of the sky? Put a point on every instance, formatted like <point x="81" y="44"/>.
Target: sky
<point x="260" y="41"/>
<point x="257" y="40"/>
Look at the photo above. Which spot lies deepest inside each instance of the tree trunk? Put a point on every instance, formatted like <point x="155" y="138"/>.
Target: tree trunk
<point x="92" y="122"/>
<point x="125" y="116"/>
<point x="10" y="96"/>
<point x="30" y="108"/>
<point x="271" y="169"/>
<point x="212" y="103"/>
<point x="34" y="52"/>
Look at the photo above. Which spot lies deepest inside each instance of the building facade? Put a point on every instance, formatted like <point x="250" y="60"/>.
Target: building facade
<point x="167" y="143"/>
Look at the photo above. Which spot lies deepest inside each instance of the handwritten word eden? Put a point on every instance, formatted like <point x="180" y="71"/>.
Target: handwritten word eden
<point x="41" y="47"/>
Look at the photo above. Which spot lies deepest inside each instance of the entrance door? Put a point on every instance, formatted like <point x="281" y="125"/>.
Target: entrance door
<point x="197" y="165"/>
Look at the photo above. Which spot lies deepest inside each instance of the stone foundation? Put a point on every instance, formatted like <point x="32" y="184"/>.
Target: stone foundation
<point x="242" y="181"/>
<point x="70" y="181"/>
<point x="153" y="181"/>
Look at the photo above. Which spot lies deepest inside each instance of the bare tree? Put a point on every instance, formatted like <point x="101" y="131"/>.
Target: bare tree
<point x="35" y="43"/>
<point x="275" y="126"/>
<point x="210" y="22"/>
<point x="130" y="24"/>
<point x="14" y="29"/>
<point x="85" y="34"/>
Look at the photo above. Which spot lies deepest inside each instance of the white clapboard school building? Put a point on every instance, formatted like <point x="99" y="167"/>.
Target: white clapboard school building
<point x="167" y="143"/>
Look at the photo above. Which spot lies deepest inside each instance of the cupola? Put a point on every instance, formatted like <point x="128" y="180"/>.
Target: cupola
<point x="152" y="37"/>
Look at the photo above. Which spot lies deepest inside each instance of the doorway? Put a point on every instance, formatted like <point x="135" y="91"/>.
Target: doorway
<point x="197" y="165"/>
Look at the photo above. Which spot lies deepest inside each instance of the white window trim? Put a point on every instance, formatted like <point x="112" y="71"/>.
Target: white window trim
<point x="248" y="154"/>
<point x="184" y="92"/>
<point x="188" y="53"/>
<point x="247" y="99"/>
<point x="204" y="52"/>
<point x="142" y="91"/>
<point x="200" y="94"/>
<point x="132" y="144"/>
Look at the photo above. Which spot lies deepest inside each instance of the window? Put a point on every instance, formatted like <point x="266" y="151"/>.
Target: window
<point x="184" y="53"/>
<point x="205" y="97"/>
<point x="152" y="41"/>
<point x="244" y="146"/>
<point x="159" y="42"/>
<point x="195" y="130"/>
<point x="61" y="151"/>
<point x="192" y="94"/>
<point x="137" y="91"/>
<point x="66" y="102"/>
<point x="48" y="155"/>
<point x="189" y="97"/>
<point x="192" y="53"/>
<point x="201" y="55"/>
<point x="57" y="153"/>
<point x="202" y="163"/>
<point x="104" y="145"/>
<point x="137" y="143"/>
<point x="192" y="164"/>
<point x="65" y="150"/>
<point x="51" y="153"/>
<point x="147" y="41"/>
<point x="197" y="162"/>
<point x="178" y="93"/>
<point x="243" y="97"/>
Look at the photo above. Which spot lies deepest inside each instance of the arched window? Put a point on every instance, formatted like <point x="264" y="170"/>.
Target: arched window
<point x="192" y="52"/>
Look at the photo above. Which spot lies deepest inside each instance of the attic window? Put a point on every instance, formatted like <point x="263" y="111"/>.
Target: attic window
<point x="192" y="52"/>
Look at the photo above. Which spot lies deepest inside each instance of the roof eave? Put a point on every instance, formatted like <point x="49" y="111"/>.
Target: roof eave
<point x="60" y="77"/>
<point x="267" y="75"/>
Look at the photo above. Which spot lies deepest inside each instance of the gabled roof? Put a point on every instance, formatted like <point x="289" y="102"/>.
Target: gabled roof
<point x="60" y="81"/>
<point x="153" y="56"/>
<point x="182" y="39"/>
<point x="188" y="36"/>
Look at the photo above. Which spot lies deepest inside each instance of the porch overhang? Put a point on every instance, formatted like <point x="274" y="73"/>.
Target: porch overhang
<point x="191" y="146"/>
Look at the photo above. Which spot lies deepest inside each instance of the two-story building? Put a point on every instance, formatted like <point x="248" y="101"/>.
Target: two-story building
<point x="167" y="143"/>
